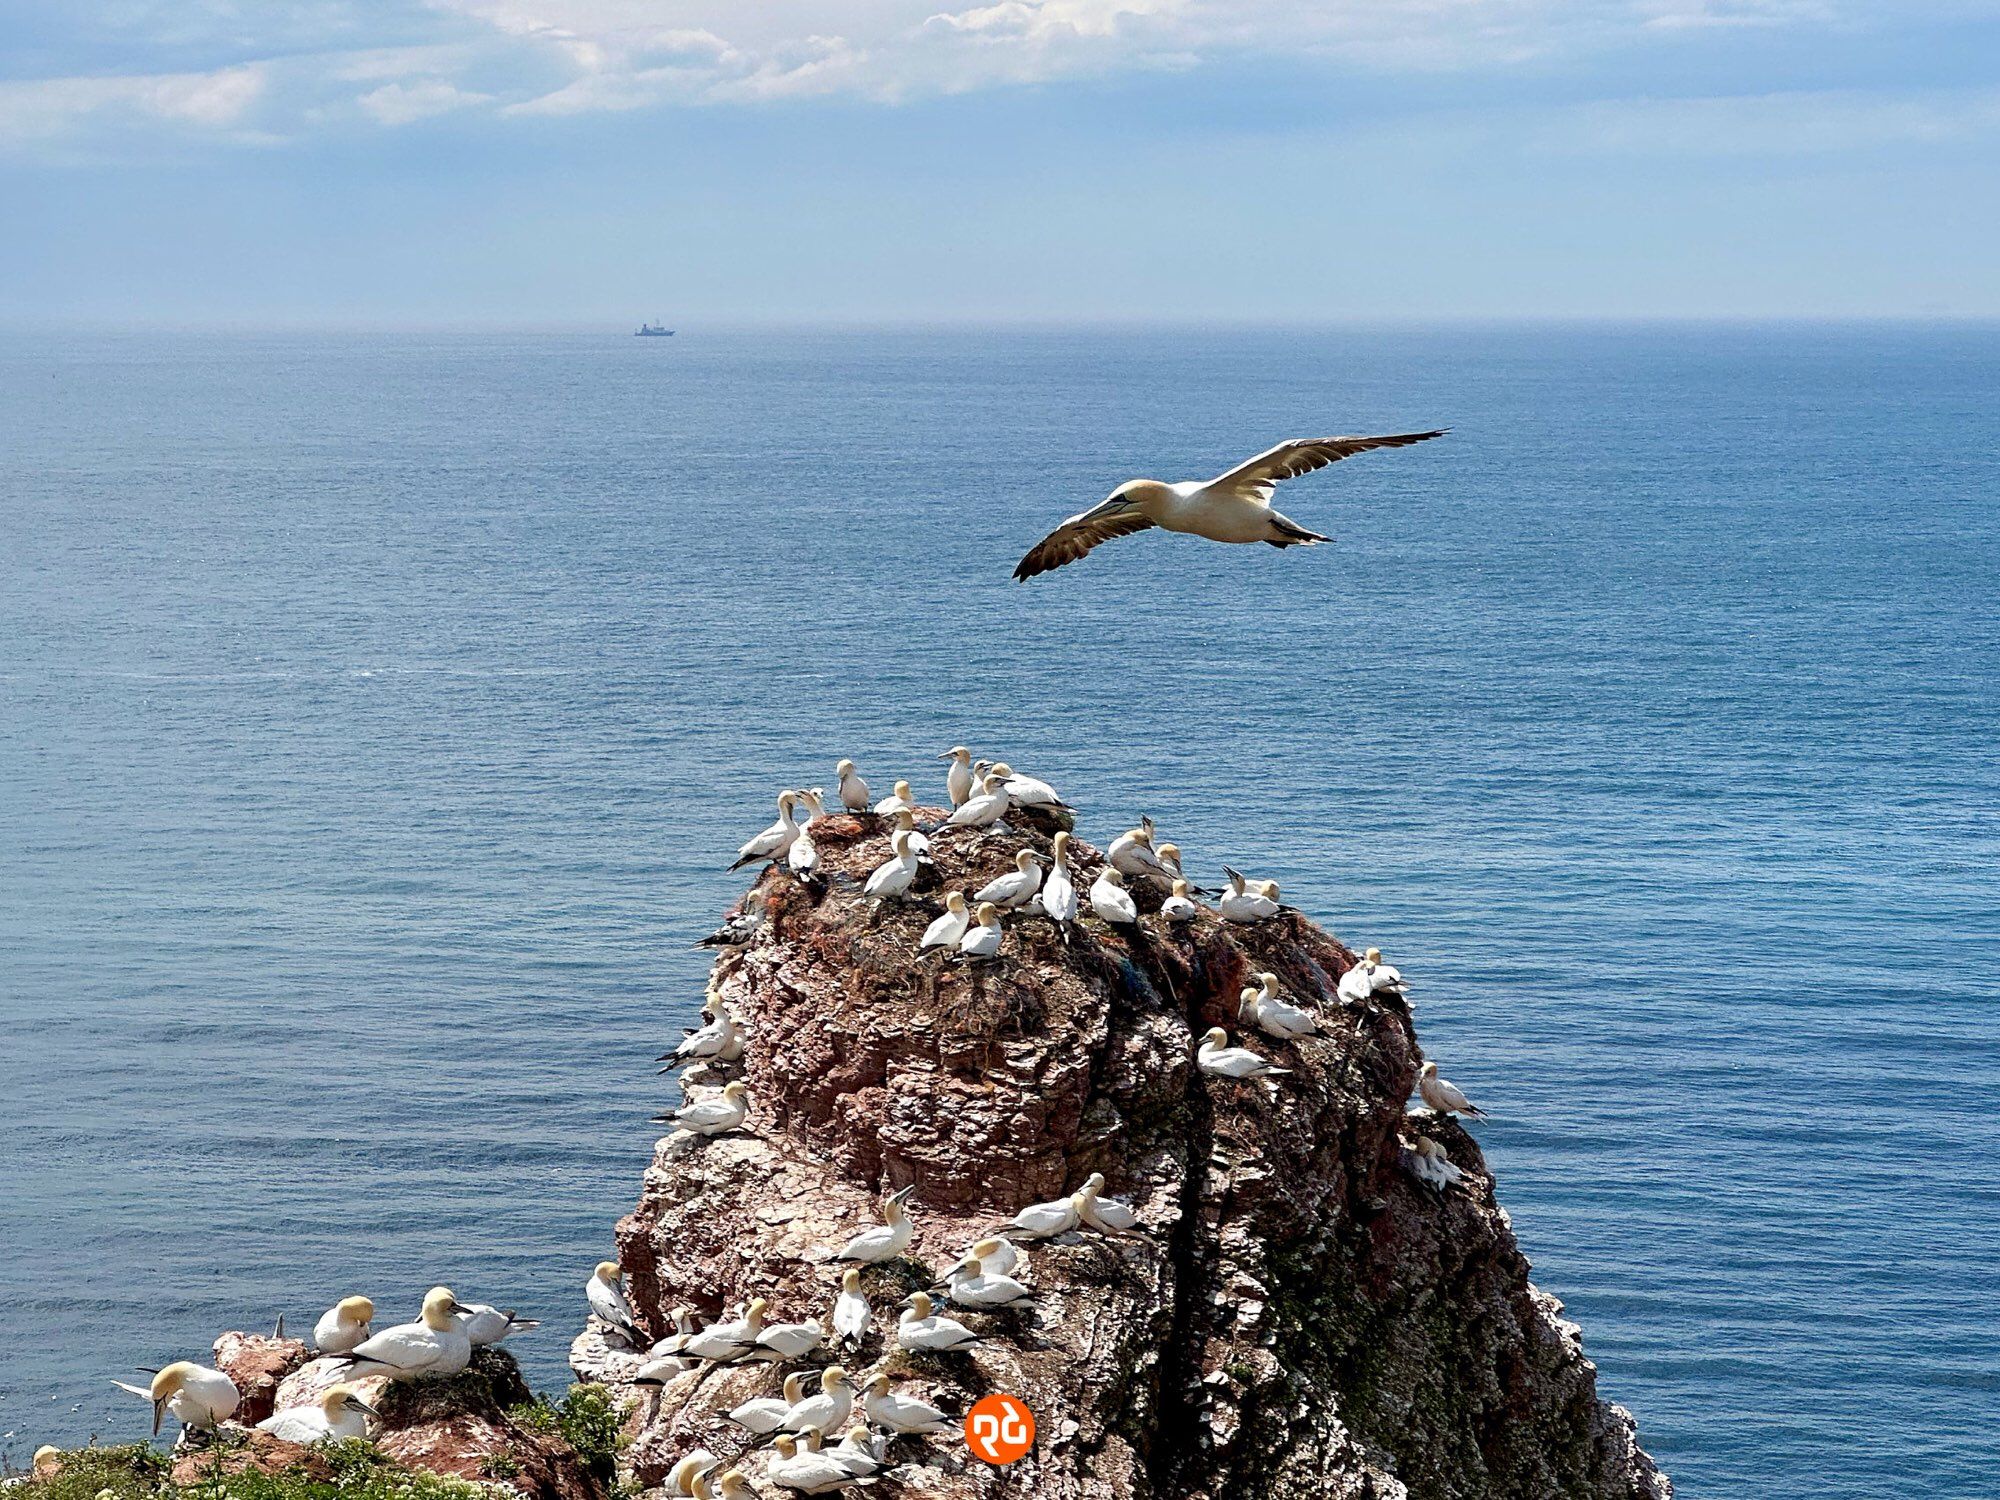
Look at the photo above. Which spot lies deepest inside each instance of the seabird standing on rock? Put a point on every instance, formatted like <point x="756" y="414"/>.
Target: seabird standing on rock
<point x="852" y="1317"/>
<point x="1179" y="907"/>
<point x="901" y="1414"/>
<point x="1111" y="901"/>
<point x="1044" y="1221"/>
<point x="810" y="1473"/>
<point x="892" y="879"/>
<point x="1131" y="855"/>
<point x="790" y="1341"/>
<point x="1443" y="1096"/>
<point x="194" y="1395"/>
<point x="982" y="940"/>
<point x="802" y="858"/>
<point x="433" y="1345"/>
<point x="763" y="1415"/>
<point x="339" y="1414"/>
<point x="714" y="1116"/>
<point x="958" y="781"/>
<point x="828" y="1408"/>
<point x="1273" y="1016"/>
<point x="853" y="791"/>
<point x="729" y="1339"/>
<point x="902" y="799"/>
<point x="721" y="1039"/>
<point x="921" y="1329"/>
<point x="1107" y="1215"/>
<point x="906" y="822"/>
<point x="1027" y="791"/>
<point x="1232" y="507"/>
<point x="983" y="809"/>
<point x="1371" y="977"/>
<point x="1059" y="902"/>
<point x="742" y="927"/>
<point x="774" y="841"/>
<point x="343" y="1325"/>
<point x="1215" y="1056"/>
<point x="945" y="931"/>
<point x="886" y="1240"/>
<point x="1013" y="890"/>
<point x="606" y="1297"/>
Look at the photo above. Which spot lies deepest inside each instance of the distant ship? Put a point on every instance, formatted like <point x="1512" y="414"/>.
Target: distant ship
<point x="653" y="331"/>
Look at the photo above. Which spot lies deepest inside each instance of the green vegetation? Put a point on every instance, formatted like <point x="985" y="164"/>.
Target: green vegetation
<point x="342" y="1471"/>
<point x="588" y="1417"/>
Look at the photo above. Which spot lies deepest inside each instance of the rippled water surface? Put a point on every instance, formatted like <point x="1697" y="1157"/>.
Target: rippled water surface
<point x="377" y="715"/>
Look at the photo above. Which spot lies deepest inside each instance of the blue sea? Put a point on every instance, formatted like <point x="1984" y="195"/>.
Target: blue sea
<point x="378" y="713"/>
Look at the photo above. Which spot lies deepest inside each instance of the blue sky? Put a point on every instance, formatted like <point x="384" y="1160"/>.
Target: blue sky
<point x="569" y="161"/>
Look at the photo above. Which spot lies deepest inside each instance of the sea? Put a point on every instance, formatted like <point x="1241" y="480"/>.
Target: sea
<point x="379" y="713"/>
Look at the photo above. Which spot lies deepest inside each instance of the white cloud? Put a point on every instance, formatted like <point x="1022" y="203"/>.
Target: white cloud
<point x="50" y="108"/>
<point x="405" y="103"/>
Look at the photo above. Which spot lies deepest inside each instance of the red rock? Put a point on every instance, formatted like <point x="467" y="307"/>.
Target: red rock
<point x="258" y="1362"/>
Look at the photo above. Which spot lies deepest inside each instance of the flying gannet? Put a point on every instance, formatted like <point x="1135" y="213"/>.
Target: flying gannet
<point x="958" y="780"/>
<point x="983" y="809"/>
<point x="433" y="1345"/>
<point x="1013" y="890"/>
<point x="730" y="1339"/>
<point x="1241" y="904"/>
<point x="1215" y="1056"/>
<point x="763" y="1415"/>
<point x="969" y="1284"/>
<point x="946" y="930"/>
<point x="339" y="1413"/>
<point x="892" y="879"/>
<point x="982" y="939"/>
<point x="1179" y="907"/>
<point x="194" y="1395"/>
<point x="886" y="1240"/>
<point x="901" y="800"/>
<point x="343" y="1325"/>
<point x="1058" y="893"/>
<point x="852" y="1317"/>
<point x="607" y="1299"/>
<point x="1443" y="1096"/>
<point x="829" y="1407"/>
<point x="923" y="1329"/>
<point x="901" y="1413"/>
<point x="796" y="1468"/>
<point x="1232" y="507"/>
<point x="715" y="1116"/>
<point x="774" y="841"/>
<point x="486" y="1324"/>
<point x="1111" y="901"/>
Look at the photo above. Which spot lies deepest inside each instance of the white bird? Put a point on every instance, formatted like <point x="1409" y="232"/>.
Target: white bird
<point x="958" y="781"/>
<point x="433" y="1345"/>
<point x="721" y="1039"/>
<point x="861" y="1453"/>
<point x="1443" y="1096"/>
<point x="1215" y="1056"/>
<point x="923" y="1329"/>
<point x="340" y="1413"/>
<point x="730" y="1339"/>
<point x="343" y="1325"/>
<point x="1111" y="901"/>
<point x="681" y="1481"/>
<point x="1275" y="1017"/>
<point x="607" y="1299"/>
<point x="1178" y="907"/>
<point x="852" y="789"/>
<point x="969" y="1284"/>
<point x="1106" y="1214"/>
<point x="901" y="1414"/>
<point x="810" y="1473"/>
<point x="852" y="1317"/>
<point x="815" y="801"/>
<point x="1170" y="856"/>
<point x="886" y="1240"/>
<point x="906" y="822"/>
<point x="1058" y="893"/>
<point x="1044" y="1221"/>
<point x="983" y="809"/>
<point x="892" y="879"/>
<point x="1233" y="507"/>
<point x="486" y="1324"/>
<point x="1384" y="976"/>
<point x="1370" y="977"/>
<point x="1026" y="791"/>
<point x="996" y="1254"/>
<point x="946" y="930"/>
<point x="765" y="1413"/>
<point x="1429" y="1164"/>
<point x="789" y="1341"/>
<point x="774" y="841"/>
<point x="194" y="1395"/>
<point x="1241" y="904"/>
<point x="1356" y="985"/>
<point x="741" y="927"/>
<point x="714" y="1116"/>
<point x="1013" y="889"/>
<point x="802" y="858"/>
<point x="1131" y="854"/>
<point x="982" y="939"/>
<point x="828" y="1408"/>
<point x="903" y="799"/>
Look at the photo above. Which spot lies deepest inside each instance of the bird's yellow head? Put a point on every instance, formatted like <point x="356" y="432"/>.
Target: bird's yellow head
<point x="439" y="1307"/>
<point x="920" y="1304"/>
<point x="735" y="1090"/>
<point x="1373" y="955"/>
<point x="1026" y="860"/>
<point x="1114" y="875"/>
<point x="1181" y="889"/>
<point x="45" y="1459"/>
<point x="1214" y="1037"/>
<point x="832" y="1378"/>
<point x="167" y="1383"/>
<point x="1430" y="1070"/>
<point x="958" y="753"/>
<point x="901" y="844"/>
<point x="1139" y="491"/>
<point x="758" y="1307"/>
<point x="988" y="914"/>
<point x="1143" y="836"/>
<point x="787" y="801"/>
<point x="795" y="1387"/>
<point x="1092" y="1185"/>
<point x="340" y="1398"/>
<point x="1171" y="853"/>
<point x="845" y="767"/>
<point x="850" y="1279"/>
<point x="1270" y="889"/>
<point x="734" y="1486"/>
<point x="903" y="790"/>
<point x="608" y="1270"/>
<point x="1001" y="770"/>
<point x="1061" y="845"/>
<point x="786" y="1444"/>
<point x="878" y="1385"/>
<point x="985" y="1248"/>
<point x="955" y="902"/>
<point x="1268" y="980"/>
<point x="354" y="1310"/>
<point x="858" y="1436"/>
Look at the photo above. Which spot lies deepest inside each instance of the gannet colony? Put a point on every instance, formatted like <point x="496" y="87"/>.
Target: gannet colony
<point x="934" y="1038"/>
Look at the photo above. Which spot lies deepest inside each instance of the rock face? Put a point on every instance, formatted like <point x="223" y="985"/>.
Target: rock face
<point x="1296" y="1316"/>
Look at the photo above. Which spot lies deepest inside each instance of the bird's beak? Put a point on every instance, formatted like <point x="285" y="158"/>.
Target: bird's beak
<point x="946" y="756"/>
<point x="159" y="1410"/>
<point x="902" y="1194"/>
<point x="460" y="1307"/>
<point x="363" y="1407"/>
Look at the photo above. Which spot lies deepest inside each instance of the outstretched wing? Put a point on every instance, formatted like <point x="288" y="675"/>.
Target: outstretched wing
<point x="1081" y="532"/>
<point x="1256" y="478"/>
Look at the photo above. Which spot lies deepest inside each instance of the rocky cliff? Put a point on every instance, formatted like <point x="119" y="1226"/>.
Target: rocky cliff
<point x="1298" y="1315"/>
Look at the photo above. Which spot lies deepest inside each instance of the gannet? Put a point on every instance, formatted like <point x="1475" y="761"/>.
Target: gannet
<point x="714" y="1116"/>
<point x="945" y="931"/>
<point x="1356" y="985"/>
<point x="1101" y="1213"/>
<point x="1370" y="977"/>
<point x="921" y="1328"/>
<point x="901" y="1413"/>
<point x="1178" y="907"/>
<point x="486" y="1324"/>
<point x="433" y="1345"/>
<point x="1170" y="856"/>
<point x="1430" y="1164"/>
<point x="886" y="1240"/>
<point x="343" y="1325"/>
<point x="996" y="1254"/>
<point x="340" y="1413"/>
<point x="983" y="809"/>
<point x="1233" y="507"/>
<point x="1043" y="1221"/>
<point x="958" y="781"/>
<point x="982" y="939"/>
<point x="892" y="879"/>
<point x="903" y="799"/>
<point x="1442" y="1096"/>
<point x="47" y="1460"/>
<point x="861" y="1453"/>
<point x="721" y="1039"/>
<point x="1111" y="901"/>
<point x="730" y="1339"/>
<point x="1026" y="791"/>
<point x="774" y="841"/>
<point x="667" y="1359"/>
<point x="1241" y="904"/>
<point x="681" y="1480"/>
<point x="607" y="1299"/>
<point x="742" y="926"/>
<point x="852" y="1317"/>
<point x="1217" y="1057"/>
<point x="810" y="1473"/>
<point x="1015" y="887"/>
<point x="1131" y="854"/>
<point x="828" y="1408"/>
<point x="193" y="1394"/>
<point x="802" y="858"/>
<point x="852" y="789"/>
<point x="1273" y="1016"/>
<point x="969" y="1284"/>
<point x="906" y="822"/>
<point x="1058" y="893"/>
<point x="789" y="1341"/>
<point x="734" y="1486"/>
<point x="765" y="1413"/>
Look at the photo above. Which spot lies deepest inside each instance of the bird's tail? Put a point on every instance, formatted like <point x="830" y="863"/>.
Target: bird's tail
<point x="1291" y="534"/>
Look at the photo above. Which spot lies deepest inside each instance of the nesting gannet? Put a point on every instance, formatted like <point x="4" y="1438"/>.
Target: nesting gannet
<point x="340" y="1413"/>
<point x="901" y="1413"/>
<point x="433" y="1345"/>
<point x="741" y="926"/>
<point x="853" y="791"/>
<point x="983" y="808"/>
<point x="343" y="1325"/>
<point x="1386" y="976"/>
<point x="906" y="822"/>
<point x="923" y="1329"/>
<point x="1101" y="1213"/>
<point x="1013" y="889"/>
<point x="1273" y="1016"/>
<point x="607" y="1299"/>
<point x="861" y="1453"/>
<point x="734" y="1486"/>
<point x="946" y="930"/>
<point x="802" y="858"/>
<point x="1429" y="1164"/>
<point x="1241" y="904"/>
<point x="958" y="781"/>
<point x="765" y="1413"/>
<point x="969" y="1284"/>
<point x="1111" y="901"/>
<point x="789" y="1341"/>
<point x="486" y="1324"/>
<point x="1132" y="855"/>
<point x="829" y="1407"/>
<point x="852" y="1317"/>
<point x="903" y="799"/>
<point x="1027" y="791"/>
<point x="982" y="939"/>
<point x="1058" y="893"/>
<point x="1233" y="507"/>
<point x="809" y="1473"/>
<point x="1443" y="1096"/>
<point x="681" y="1480"/>
<point x="1044" y="1221"/>
<point x="1178" y="907"/>
<point x="730" y="1339"/>
<point x="1370" y="977"/>
<point x="194" y="1395"/>
<point x="996" y="1254"/>
<point x="774" y="841"/>
<point x="721" y="1039"/>
<point x="892" y="879"/>
<point x="886" y="1240"/>
<point x="714" y="1116"/>
<point x="1215" y="1056"/>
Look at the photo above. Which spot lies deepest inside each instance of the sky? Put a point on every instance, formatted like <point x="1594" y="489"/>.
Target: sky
<point x="574" y="162"/>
